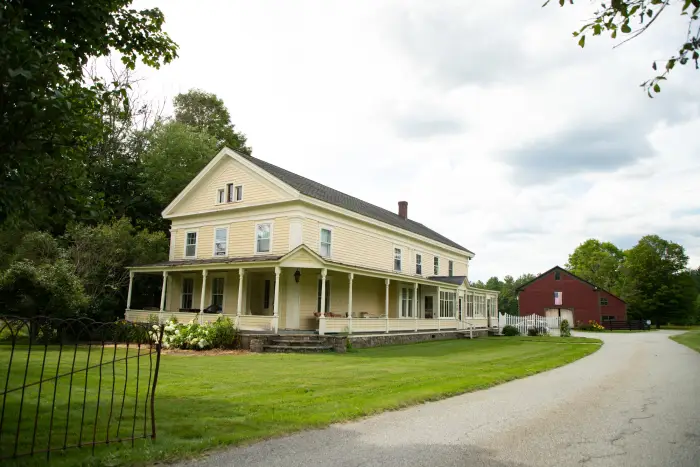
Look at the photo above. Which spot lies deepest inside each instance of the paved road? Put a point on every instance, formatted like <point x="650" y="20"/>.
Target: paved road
<point x="635" y="402"/>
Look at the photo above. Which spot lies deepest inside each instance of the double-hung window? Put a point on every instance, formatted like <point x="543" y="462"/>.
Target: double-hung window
<point x="217" y="292"/>
<point x="450" y="268"/>
<point x="419" y="264"/>
<point x="326" y="243"/>
<point x="436" y="266"/>
<point x="229" y="193"/>
<point x="406" y="302"/>
<point x="470" y="306"/>
<point x="447" y="304"/>
<point x="220" y="241"/>
<point x="238" y="193"/>
<point x="263" y="235"/>
<point x="397" y="259"/>
<point x="603" y="301"/>
<point x="187" y="291"/>
<point x="220" y="195"/>
<point x="191" y="244"/>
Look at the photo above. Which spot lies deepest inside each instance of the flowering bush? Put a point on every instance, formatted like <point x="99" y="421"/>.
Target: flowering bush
<point x="592" y="326"/>
<point x="195" y="336"/>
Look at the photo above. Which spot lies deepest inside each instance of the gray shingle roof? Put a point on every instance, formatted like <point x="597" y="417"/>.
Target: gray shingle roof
<point x="455" y="280"/>
<point x="337" y="198"/>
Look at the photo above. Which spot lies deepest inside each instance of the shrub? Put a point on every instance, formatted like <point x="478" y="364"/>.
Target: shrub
<point x="564" y="328"/>
<point x="511" y="331"/>
<point x="533" y="332"/>
<point x="592" y="326"/>
<point x="194" y="336"/>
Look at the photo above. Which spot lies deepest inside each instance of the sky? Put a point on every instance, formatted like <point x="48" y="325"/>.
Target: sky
<point x="500" y="132"/>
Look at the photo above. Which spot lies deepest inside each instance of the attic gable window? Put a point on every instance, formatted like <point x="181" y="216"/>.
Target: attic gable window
<point x="557" y="275"/>
<point x="220" y="193"/>
<point x="229" y="193"/>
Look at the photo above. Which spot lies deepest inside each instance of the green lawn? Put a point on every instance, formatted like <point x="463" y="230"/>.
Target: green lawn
<point x="689" y="339"/>
<point x="206" y="402"/>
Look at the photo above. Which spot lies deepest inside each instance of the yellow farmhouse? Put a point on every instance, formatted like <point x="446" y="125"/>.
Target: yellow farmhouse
<point x="276" y="251"/>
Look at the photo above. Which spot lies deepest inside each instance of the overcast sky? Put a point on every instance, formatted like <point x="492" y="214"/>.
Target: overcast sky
<point x="500" y="132"/>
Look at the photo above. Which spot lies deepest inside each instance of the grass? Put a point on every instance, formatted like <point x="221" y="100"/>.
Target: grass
<point x="689" y="339"/>
<point x="208" y="402"/>
<point x="678" y="327"/>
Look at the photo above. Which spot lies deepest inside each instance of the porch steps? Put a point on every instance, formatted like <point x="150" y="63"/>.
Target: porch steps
<point x="297" y="344"/>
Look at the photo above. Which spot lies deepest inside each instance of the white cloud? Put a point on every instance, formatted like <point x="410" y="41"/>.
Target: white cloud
<point x="436" y="102"/>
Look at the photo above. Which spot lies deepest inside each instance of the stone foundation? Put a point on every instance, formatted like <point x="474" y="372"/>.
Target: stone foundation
<point x="378" y="340"/>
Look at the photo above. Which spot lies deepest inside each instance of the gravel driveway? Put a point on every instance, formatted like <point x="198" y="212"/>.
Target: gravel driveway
<point x="635" y="402"/>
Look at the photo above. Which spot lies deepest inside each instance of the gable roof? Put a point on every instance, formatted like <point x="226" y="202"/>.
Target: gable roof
<point x="329" y="195"/>
<point x="522" y="287"/>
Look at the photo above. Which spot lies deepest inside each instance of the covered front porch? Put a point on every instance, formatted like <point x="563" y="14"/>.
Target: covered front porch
<point x="303" y="292"/>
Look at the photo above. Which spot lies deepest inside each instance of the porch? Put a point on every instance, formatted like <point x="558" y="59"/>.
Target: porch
<point x="270" y="299"/>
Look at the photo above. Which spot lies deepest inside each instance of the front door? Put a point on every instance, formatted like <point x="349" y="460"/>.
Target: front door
<point x="428" y="307"/>
<point x="292" y="308"/>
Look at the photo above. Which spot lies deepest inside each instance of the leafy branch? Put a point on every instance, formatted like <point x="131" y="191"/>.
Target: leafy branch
<point x="621" y="15"/>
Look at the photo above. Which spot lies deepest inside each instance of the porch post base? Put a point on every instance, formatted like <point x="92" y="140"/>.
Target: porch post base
<point x="321" y="325"/>
<point x="275" y="324"/>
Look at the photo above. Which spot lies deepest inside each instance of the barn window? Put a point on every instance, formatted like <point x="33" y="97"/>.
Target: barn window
<point x="603" y="301"/>
<point x="608" y="318"/>
<point x="557" y="275"/>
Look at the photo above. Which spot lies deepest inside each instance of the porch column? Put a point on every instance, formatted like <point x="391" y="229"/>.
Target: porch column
<point x="276" y="305"/>
<point x="201" y="297"/>
<point x="322" y="311"/>
<point x="415" y="306"/>
<point x="128" y="295"/>
<point x="386" y="304"/>
<point x="439" y="307"/>
<point x="162" y="292"/>
<point x="351" y="277"/>
<point x="241" y="273"/>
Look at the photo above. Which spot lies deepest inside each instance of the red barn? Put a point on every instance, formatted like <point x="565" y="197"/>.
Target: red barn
<point x="558" y="292"/>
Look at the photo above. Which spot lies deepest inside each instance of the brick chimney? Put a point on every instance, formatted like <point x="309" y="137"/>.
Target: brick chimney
<point x="403" y="209"/>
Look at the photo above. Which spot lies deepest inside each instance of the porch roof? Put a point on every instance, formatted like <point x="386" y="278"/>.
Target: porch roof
<point x="196" y="262"/>
<point x="454" y="280"/>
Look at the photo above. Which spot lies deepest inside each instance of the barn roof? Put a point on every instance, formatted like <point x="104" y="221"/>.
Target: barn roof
<point x="522" y="287"/>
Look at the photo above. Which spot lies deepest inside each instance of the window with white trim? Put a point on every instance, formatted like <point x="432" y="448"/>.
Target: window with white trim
<point x="447" y="304"/>
<point x="220" y="241"/>
<point x="450" y="268"/>
<point x="217" y="292"/>
<point x="326" y="242"/>
<point x="187" y="292"/>
<point x="419" y="264"/>
<point x="191" y="244"/>
<point x="263" y="235"/>
<point x="238" y="193"/>
<point x="397" y="259"/>
<point x="220" y="195"/>
<point x="406" y="304"/>
<point x="229" y="193"/>
<point x="470" y="306"/>
<point x="328" y="296"/>
<point x="436" y="266"/>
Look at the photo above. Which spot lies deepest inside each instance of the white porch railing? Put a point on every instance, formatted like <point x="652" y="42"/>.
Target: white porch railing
<point x="362" y="325"/>
<point x="245" y="322"/>
<point x="523" y="323"/>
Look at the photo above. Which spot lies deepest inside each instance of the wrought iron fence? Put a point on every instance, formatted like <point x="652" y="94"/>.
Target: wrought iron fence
<point x="75" y="383"/>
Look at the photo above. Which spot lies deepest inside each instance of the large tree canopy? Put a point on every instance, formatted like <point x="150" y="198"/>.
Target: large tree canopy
<point x="598" y="262"/>
<point x="49" y="116"/>
<point x="633" y="17"/>
<point x="208" y="113"/>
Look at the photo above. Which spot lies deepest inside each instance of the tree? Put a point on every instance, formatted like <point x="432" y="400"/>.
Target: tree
<point x="206" y="112"/>
<point x="598" y="262"/>
<point x="100" y="255"/>
<point x="49" y="116"/>
<point x="175" y="154"/>
<point x="659" y="286"/>
<point x="634" y="17"/>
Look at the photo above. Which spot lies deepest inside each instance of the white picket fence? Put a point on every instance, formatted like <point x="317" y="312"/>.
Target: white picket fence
<point x="523" y="323"/>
